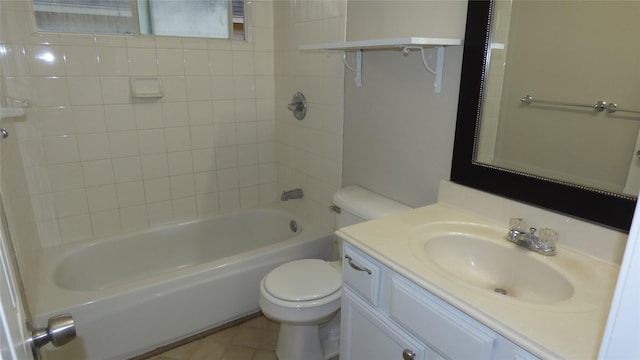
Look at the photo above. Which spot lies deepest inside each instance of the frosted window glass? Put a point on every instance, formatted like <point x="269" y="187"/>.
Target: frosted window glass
<point x="84" y="16"/>
<point x="201" y="18"/>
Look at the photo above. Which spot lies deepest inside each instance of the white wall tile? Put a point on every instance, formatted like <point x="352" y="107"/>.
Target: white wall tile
<point x="154" y="166"/>
<point x="66" y="176"/>
<point x="201" y="137"/>
<point x="127" y="169"/>
<point x="142" y="61"/>
<point x="207" y="204"/>
<point x="196" y="62"/>
<point x="130" y="194"/>
<point x="184" y="208"/>
<point x="200" y="112"/>
<point x="249" y="197"/>
<point x="119" y="117"/>
<point x="89" y="119"/>
<point x="113" y="61"/>
<point x="85" y="90"/>
<point x="175" y="114"/>
<point x="182" y="186"/>
<point x="61" y="149"/>
<point x="224" y="111"/>
<point x="81" y="60"/>
<point x="206" y="182"/>
<point x="115" y="89"/>
<point x="160" y="213"/>
<point x="227" y="179"/>
<point x="157" y="190"/>
<point x="229" y="200"/>
<point x="180" y="162"/>
<point x="148" y="116"/>
<point x="106" y="223"/>
<point x="45" y="60"/>
<point x="204" y="159"/>
<point x="226" y="157"/>
<point x="98" y="172"/>
<point x="71" y="202"/>
<point x="225" y="134"/>
<point x="134" y="218"/>
<point x="93" y="146"/>
<point x="102" y="198"/>
<point x="178" y="139"/>
<point x="51" y="91"/>
<point x="198" y="88"/>
<point x="76" y="228"/>
<point x="170" y="62"/>
<point x="151" y="141"/>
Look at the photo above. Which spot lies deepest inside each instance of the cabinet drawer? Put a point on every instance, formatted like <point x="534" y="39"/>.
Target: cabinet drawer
<point x="448" y="332"/>
<point x="361" y="273"/>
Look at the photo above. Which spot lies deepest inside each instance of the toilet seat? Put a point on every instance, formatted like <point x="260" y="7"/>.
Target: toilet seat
<point x="308" y="280"/>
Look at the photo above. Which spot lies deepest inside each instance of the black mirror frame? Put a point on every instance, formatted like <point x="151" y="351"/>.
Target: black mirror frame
<point x="608" y="209"/>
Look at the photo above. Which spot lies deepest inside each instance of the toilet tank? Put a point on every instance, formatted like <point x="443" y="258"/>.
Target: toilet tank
<point x="358" y="205"/>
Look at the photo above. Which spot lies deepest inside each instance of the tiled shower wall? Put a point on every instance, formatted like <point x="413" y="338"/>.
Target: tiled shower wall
<point x="309" y="152"/>
<point x="100" y="163"/>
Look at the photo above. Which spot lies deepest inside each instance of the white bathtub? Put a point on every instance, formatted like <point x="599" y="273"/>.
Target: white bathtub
<point x="131" y="294"/>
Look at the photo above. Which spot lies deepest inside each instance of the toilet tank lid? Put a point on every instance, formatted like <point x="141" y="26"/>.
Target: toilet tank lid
<point x="366" y="204"/>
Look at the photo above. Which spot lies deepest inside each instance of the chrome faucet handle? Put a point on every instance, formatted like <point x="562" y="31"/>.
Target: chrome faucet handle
<point x="548" y="238"/>
<point x="518" y="224"/>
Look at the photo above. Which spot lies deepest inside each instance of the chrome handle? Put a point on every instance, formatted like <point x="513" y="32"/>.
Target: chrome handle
<point x="298" y="106"/>
<point x="356" y="267"/>
<point x="4" y="133"/>
<point x="408" y="354"/>
<point x="60" y="330"/>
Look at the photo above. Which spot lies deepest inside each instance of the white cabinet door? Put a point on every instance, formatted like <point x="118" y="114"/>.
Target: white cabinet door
<point x="367" y="336"/>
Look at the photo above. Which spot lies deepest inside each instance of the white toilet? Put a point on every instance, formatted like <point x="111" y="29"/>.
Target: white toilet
<point x="304" y="295"/>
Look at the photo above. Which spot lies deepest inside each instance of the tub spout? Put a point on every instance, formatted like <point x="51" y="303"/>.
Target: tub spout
<point x="291" y="194"/>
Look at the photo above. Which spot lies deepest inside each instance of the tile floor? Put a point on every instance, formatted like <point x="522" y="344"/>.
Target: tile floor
<point x="254" y="339"/>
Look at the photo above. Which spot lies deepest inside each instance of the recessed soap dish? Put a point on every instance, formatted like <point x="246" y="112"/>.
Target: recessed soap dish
<point x="146" y="87"/>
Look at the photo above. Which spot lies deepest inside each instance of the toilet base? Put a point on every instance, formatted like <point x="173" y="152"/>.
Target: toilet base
<point x="309" y="342"/>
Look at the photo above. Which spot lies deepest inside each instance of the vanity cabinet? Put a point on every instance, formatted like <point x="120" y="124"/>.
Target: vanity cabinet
<point x="385" y="316"/>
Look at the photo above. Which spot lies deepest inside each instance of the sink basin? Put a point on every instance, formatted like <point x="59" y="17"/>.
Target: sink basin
<point x="483" y="259"/>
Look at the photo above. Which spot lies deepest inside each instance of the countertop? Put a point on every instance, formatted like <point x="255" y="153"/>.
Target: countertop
<point x="568" y="329"/>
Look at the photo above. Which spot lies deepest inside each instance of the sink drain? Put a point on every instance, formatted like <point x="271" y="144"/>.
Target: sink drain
<point x="500" y="291"/>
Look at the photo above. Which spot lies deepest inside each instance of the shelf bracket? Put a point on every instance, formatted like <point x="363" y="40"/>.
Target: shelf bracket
<point x="358" y="79"/>
<point x="437" y="83"/>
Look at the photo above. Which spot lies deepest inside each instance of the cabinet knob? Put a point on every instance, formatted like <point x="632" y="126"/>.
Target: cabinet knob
<point x="408" y="354"/>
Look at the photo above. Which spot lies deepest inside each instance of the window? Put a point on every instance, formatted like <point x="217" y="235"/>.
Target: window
<point x="197" y="18"/>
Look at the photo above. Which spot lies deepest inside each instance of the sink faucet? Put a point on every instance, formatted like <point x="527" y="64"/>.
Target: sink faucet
<point x="544" y="243"/>
<point x="291" y="194"/>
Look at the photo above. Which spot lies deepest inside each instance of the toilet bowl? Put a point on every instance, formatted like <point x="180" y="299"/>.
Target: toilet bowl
<point x="304" y="295"/>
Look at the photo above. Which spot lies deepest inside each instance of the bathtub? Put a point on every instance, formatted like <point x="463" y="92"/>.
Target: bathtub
<point x="131" y="294"/>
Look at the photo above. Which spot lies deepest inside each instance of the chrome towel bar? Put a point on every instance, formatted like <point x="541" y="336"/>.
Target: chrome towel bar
<point x="598" y="106"/>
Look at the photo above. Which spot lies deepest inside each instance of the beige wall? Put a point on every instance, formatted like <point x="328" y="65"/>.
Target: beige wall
<point x="398" y="134"/>
<point x="384" y="19"/>
<point x="577" y="52"/>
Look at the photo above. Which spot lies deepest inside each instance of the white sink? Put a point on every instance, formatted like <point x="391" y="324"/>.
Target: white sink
<point x="481" y="257"/>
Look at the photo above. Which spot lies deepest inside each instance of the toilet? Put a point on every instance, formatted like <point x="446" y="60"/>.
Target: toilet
<point x="304" y="295"/>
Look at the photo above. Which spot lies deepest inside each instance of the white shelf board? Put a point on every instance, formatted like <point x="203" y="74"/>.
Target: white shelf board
<point x="383" y="44"/>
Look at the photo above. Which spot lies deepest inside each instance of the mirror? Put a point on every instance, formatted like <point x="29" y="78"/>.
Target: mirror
<point x="496" y="131"/>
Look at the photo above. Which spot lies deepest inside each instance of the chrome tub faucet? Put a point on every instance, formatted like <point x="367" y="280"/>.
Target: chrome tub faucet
<point x="543" y="243"/>
<point x="291" y="194"/>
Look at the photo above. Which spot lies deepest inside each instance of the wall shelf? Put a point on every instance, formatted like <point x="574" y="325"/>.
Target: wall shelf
<point x="406" y="44"/>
